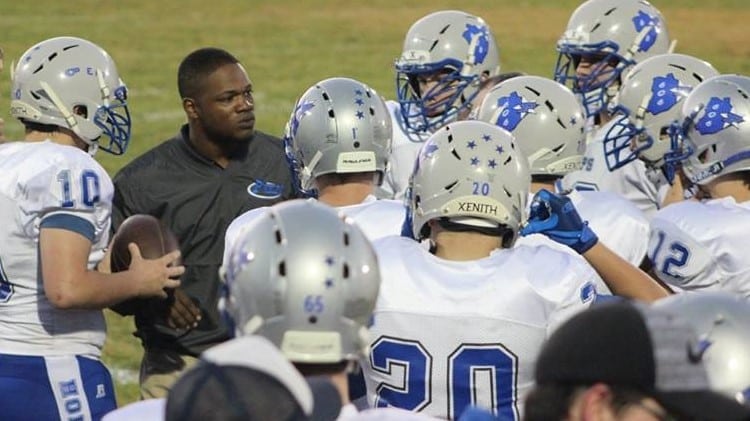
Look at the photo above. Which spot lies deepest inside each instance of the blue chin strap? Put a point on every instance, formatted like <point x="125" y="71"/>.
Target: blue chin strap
<point x="414" y="108"/>
<point x="591" y="89"/>
<point x="114" y="120"/>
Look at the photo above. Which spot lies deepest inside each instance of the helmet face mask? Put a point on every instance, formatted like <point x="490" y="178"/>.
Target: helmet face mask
<point x="306" y="279"/>
<point x="545" y="118"/>
<point x="612" y="36"/>
<point x="74" y="84"/>
<point x="470" y="172"/>
<point x="647" y="107"/>
<point x="716" y="128"/>
<point x="456" y="50"/>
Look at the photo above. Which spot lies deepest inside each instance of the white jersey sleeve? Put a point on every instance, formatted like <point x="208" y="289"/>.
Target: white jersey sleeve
<point x="702" y="245"/>
<point x="405" y="150"/>
<point x="451" y="334"/>
<point x="47" y="185"/>
<point x="632" y="181"/>
<point x="618" y="223"/>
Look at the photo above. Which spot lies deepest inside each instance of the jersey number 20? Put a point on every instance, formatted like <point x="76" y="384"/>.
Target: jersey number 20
<point x="466" y="364"/>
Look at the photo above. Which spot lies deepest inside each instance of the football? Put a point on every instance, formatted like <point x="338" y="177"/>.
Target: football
<point x="153" y="238"/>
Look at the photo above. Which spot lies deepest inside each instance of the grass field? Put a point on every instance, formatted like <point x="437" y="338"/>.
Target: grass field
<point x="288" y="45"/>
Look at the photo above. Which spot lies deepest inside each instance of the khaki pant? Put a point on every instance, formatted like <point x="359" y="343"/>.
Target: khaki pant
<point x="160" y="369"/>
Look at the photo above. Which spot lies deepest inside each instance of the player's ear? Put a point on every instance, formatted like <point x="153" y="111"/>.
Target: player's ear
<point x="188" y="104"/>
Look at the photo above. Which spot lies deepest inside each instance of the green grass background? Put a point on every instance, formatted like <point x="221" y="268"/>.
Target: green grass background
<point x="288" y="45"/>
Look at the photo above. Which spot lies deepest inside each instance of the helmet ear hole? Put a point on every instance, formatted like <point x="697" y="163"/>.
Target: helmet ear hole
<point x="81" y="110"/>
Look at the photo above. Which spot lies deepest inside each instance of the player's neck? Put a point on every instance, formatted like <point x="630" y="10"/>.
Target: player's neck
<point x="603" y="118"/>
<point x="464" y="246"/>
<point x="353" y="191"/>
<point x="60" y="137"/>
<point x="341" y="382"/>
<point x="730" y="187"/>
<point x="538" y="185"/>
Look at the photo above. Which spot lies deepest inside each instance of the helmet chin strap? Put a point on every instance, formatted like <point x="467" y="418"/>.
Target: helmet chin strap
<point x="69" y="117"/>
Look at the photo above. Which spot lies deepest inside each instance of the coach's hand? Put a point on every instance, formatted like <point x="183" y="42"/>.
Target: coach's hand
<point x="181" y="312"/>
<point x="555" y="217"/>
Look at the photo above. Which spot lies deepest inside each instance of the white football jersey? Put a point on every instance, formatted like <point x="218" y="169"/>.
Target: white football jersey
<point x="44" y="183"/>
<point x="405" y="150"/>
<point x="376" y="218"/>
<point x="702" y="245"/>
<point x="449" y="334"/>
<point x="633" y="181"/>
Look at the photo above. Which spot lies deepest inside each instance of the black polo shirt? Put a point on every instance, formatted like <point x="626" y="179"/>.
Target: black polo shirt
<point x="196" y="199"/>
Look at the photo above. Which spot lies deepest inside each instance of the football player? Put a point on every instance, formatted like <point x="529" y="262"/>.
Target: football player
<point x="307" y="279"/>
<point x="601" y="43"/>
<point x="55" y="206"/>
<point x="548" y="123"/>
<point x="701" y="244"/>
<point x="445" y="56"/>
<point x="338" y="142"/>
<point x="461" y="324"/>
<point x="649" y="101"/>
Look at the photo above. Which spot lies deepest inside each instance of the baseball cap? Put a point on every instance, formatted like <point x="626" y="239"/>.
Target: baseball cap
<point x="636" y="346"/>
<point x="248" y="378"/>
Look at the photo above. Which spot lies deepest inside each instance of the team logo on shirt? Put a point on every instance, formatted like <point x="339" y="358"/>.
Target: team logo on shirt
<point x="265" y="189"/>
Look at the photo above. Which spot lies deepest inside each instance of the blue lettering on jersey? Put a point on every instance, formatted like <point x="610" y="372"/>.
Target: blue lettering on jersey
<point x="664" y="93"/>
<point x="265" y="189"/>
<point x="717" y="116"/>
<point x="482" y="46"/>
<point x="514" y="110"/>
<point x="642" y="21"/>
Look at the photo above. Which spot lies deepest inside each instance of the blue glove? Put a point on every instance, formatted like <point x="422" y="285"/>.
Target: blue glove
<point x="556" y="217"/>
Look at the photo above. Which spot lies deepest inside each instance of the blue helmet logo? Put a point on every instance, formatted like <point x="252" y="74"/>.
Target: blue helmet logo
<point x="299" y="112"/>
<point x="664" y="93"/>
<point x="642" y="21"/>
<point x="514" y="110"/>
<point x="718" y="116"/>
<point x="482" y="46"/>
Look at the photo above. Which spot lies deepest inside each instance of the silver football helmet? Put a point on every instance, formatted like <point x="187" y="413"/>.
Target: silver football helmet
<point x="716" y="128"/>
<point x="56" y="77"/>
<point x="472" y="173"/>
<point x="338" y="125"/>
<point x="649" y="102"/>
<point x="545" y="118"/>
<point x="459" y="45"/>
<point x="722" y="322"/>
<point x="618" y="32"/>
<point x="305" y="278"/>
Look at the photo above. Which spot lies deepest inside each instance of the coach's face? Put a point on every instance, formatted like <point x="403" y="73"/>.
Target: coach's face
<point x="225" y="105"/>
